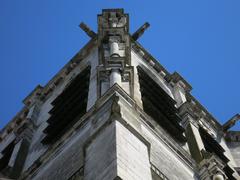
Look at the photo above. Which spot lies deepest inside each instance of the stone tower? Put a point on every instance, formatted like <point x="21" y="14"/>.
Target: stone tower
<point x="113" y="112"/>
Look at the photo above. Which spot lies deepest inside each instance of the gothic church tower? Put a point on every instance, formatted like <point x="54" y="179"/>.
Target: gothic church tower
<point x="113" y="112"/>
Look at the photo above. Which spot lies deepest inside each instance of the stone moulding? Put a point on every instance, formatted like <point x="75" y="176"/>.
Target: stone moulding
<point x="114" y="94"/>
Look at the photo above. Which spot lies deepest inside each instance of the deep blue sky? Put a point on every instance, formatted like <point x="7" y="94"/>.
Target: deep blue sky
<point x="199" y="39"/>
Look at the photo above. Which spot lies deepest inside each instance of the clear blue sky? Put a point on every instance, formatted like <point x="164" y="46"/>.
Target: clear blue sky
<point x="199" y="39"/>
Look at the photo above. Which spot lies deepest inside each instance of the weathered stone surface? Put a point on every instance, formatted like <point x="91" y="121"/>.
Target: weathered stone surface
<point x="235" y="151"/>
<point x="116" y="138"/>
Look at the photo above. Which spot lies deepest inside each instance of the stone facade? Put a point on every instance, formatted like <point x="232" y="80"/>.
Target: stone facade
<point x="126" y="118"/>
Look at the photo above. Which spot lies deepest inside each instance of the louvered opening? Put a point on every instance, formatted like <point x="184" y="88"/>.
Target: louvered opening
<point x="160" y="106"/>
<point x="68" y="107"/>
<point x="229" y="172"/>
<point x="212" y="146"/>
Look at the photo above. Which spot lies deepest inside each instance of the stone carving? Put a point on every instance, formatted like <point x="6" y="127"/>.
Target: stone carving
<point x="114" y="51"/>
<point x="211" y="167"/>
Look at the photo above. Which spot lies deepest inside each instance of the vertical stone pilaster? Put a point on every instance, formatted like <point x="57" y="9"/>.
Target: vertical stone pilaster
<point x="100" y="156"/>
<point x="132" y="155"/>
<point x="210" y="166"/>
<point x="24" y="136"/>
<point x="18" y="157"/>
<point x="194" y="139"/>
<point x="116" y="153"/>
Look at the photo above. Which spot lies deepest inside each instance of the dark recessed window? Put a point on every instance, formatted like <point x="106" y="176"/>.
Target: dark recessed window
<point x="6" y="155"/>
<point x="160" y="106"/>
<point x="212" y="146"/>
<point x="68" y="107"/>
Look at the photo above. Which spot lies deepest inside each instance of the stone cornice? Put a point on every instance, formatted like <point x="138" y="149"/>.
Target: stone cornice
<point x="177" y="78"/>
<point x="36" y="92"/>
<point x="55" y="81"/>
<point x="199" y="112"/>
<point x="137" y="47"/>
<point x="14" y="124"/>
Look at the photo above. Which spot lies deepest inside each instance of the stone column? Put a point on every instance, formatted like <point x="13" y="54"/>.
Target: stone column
<point x="114" y="49"/>
<point x="115" y="77"/>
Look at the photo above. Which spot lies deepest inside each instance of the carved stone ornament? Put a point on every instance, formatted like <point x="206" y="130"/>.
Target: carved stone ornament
<point x="211" y="168"/>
